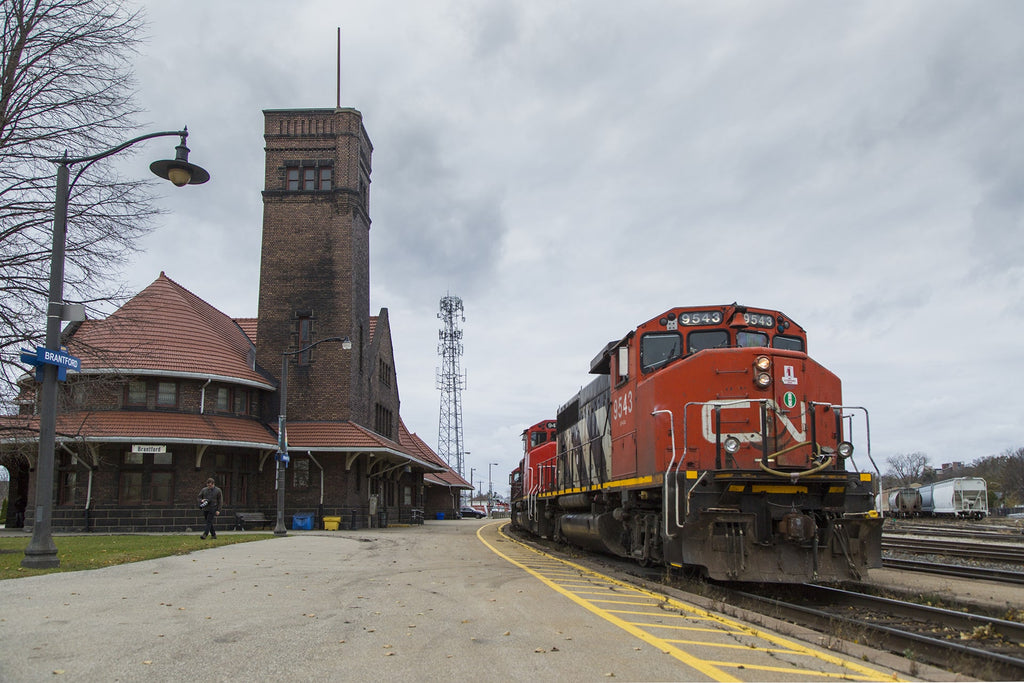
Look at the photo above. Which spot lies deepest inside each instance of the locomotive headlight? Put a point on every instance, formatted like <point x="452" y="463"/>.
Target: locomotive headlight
<point x="762" y="380"/>
<point x="845" y="449"/>
<point x="763" y="363"/>
<point x="731" y="445"/>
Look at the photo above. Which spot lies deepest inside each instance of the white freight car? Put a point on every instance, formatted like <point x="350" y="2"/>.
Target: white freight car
<point x="960" y="497"/>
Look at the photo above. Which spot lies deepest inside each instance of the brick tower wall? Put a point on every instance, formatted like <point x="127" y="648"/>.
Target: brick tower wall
<point x="315" y="261"/>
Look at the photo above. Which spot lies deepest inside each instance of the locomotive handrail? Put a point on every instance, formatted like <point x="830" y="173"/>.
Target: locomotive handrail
<point x="867" y="430"/>
<point x="685" y="441"/>
<point x="668" y="470"/>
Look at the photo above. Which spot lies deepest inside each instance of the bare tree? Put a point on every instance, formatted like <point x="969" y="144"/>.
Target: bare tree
<point x="907" y="468"/>
<point x="66" y="87"/>
<point x="1011" y="475"/>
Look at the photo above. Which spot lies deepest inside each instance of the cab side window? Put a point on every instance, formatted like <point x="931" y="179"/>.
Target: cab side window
<point x="658" y="348"/>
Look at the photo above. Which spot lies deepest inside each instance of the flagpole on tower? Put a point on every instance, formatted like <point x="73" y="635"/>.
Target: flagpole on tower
<point x="339" y="68"/>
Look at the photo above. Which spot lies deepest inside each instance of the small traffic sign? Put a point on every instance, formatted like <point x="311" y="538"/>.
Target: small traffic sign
<point x="43" y="356"/>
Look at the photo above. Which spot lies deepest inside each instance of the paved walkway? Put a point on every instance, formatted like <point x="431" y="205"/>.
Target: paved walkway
<point x="429" y="602"/>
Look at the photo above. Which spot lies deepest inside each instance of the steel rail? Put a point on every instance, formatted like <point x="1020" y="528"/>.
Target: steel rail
<point x="935" y="651"/>
<point x="987" y="551"/>
<point x="956" y="570"/>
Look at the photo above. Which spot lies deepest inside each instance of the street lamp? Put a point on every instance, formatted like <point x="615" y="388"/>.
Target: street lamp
<point x="282" y="432"/>
<point x="490" y="488"/>
<point x="471" y="471"/>
<point x="41" y="553"/>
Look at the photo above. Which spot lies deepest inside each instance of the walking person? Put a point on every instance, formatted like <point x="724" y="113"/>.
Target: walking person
<point x="213" y="498"/>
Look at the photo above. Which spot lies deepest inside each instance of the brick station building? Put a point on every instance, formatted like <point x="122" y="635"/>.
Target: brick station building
<point x="173" y="391"/>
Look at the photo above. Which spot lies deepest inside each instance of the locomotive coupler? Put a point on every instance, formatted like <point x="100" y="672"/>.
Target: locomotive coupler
<point x="797" y="527"/>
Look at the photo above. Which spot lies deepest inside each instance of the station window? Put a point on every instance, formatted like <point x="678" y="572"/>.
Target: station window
<point x="146" y="479"/>
<point x="135" y="393"/>
<point x="241" y="402"/>
<point x="382" y="421"/>
<point x="305" y="338"/>
<point x="167" y="394"/>
<point x="67" y="478"/>
<point x="309" y="178"/>
<point x="222" y="400"/>
<point x="300" y="473"/>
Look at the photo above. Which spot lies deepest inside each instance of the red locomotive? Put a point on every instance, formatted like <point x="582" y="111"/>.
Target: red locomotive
<point x="709" y="439"/>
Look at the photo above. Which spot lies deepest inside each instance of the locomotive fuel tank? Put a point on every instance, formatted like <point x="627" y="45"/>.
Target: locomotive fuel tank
<point x="597" y="532"/>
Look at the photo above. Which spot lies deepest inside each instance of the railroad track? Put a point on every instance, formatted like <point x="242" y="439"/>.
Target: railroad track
<point x="986" y="647"/>
<point x="1007" y="533"/>
<point x="979" y="551"/>
<point x="959" y="571"/>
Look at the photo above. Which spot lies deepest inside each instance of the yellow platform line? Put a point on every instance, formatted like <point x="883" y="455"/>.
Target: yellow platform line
<point x="816" y="675"/>
<point x="698" y="629"/>
<point x="712" y="671"/>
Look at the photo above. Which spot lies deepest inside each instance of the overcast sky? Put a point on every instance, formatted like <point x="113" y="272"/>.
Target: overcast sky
<point x="572" y="169"/>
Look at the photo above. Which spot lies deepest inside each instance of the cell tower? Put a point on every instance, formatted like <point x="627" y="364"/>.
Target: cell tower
<point x="451" y="381"/>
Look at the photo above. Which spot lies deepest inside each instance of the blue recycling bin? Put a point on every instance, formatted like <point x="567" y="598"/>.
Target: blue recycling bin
<point x="440" y="515"/>
<point x="302" y="521"/>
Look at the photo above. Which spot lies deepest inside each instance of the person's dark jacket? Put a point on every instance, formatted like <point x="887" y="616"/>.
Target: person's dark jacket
<point x="214" y="495"/>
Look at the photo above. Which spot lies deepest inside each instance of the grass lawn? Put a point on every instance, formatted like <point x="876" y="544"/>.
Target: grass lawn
<point x="92" y="552"/>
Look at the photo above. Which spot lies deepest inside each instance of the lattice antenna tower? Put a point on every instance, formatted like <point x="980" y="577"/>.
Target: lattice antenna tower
<point x="451" y="381"/>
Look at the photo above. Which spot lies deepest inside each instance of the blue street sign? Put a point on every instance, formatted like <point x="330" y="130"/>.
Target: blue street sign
<point x="283" y="458"/>
<point x="42" y="356"/>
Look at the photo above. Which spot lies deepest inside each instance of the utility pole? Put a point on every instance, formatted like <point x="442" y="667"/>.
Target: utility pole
<point x="451" y="381"/>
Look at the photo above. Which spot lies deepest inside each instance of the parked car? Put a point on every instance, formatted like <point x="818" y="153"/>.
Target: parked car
<point x="467" y="511"/>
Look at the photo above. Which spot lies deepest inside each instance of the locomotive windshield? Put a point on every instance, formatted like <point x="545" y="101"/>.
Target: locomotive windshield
<point x="658" y="349"/>
<point x="748" y="339"/>
<point x="709" y="339"/>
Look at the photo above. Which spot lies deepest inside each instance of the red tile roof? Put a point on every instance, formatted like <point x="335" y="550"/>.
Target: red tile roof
<point x="348" y="437"/>
<point x="146" y="426"/>
<point x="249" y="326"/>
<point x="166" y="329"/>
<point x="414" y="443"/>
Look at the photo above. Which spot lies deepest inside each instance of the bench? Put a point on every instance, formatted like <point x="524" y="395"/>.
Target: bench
<point x="253" y="518"/>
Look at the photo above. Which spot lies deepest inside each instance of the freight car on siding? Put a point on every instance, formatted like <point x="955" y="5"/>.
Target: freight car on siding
<point x="899" y="502"/>
<point x="711" y="440"/>
<point x="964" y="497"/>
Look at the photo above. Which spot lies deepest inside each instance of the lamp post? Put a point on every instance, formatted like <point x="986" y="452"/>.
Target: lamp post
<point x="490" y="488"/>
<point x="41" y="553"/>
<point x="471" y="470"/>
<point x="282" y="431"/>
